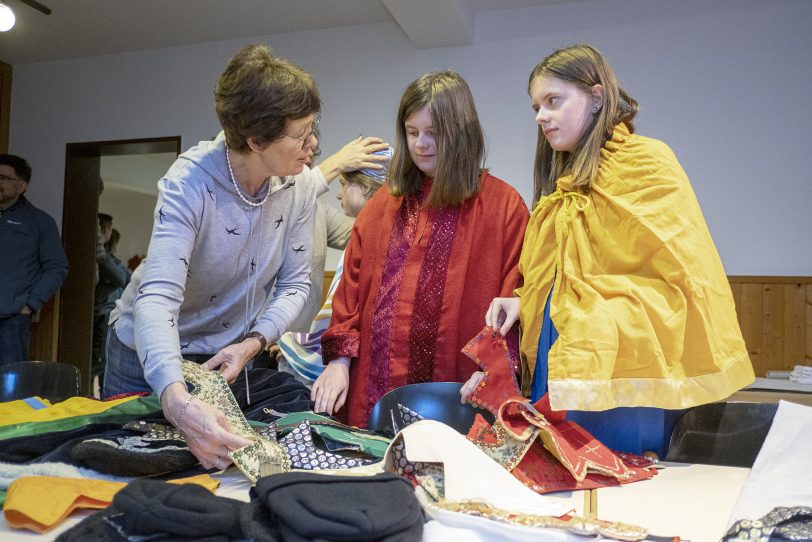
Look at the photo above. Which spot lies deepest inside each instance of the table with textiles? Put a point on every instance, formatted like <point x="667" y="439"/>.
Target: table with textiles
<point x="462" y="484"/>
<point x="691" y="501"/>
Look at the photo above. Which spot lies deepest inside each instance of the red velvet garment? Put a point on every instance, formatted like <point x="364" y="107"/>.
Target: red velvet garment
<point x="537" y="445"/>
<point x="440" y="268"/>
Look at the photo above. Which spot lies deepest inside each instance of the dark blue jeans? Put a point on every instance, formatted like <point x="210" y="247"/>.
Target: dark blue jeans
<point x="15" y="336"/>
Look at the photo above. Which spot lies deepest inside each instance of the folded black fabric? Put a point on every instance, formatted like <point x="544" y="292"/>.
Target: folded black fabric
<point x="310" y="506"/>
<point x="94" y="528"/>
<point x="270" y="390"/>
<point x="132" y="454"/>
<point x="50" y="447"/>
<point x="189" y="510"/>
<point x="153" y="510"/>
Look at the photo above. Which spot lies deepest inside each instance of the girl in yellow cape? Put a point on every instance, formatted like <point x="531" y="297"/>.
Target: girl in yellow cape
<point x="625" y="301"/>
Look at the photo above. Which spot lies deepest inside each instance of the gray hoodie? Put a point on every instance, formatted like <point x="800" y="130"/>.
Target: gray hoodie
<point x="216" y="268"/>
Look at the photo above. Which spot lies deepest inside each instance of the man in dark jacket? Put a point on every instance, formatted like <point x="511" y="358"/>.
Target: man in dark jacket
<point x="32" y="261"/>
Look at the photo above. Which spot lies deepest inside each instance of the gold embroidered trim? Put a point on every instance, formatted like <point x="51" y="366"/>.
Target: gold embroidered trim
<point x="211" y="388"/>
<point x="575" y="524"/>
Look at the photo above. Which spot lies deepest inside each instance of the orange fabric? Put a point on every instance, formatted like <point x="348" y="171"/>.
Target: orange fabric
<point x="483" y="264"/>
<point x="40" y="503"/>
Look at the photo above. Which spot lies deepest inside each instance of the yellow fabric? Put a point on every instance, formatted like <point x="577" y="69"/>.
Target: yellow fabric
<point x="40" y="503"/>
<point x="14" y="412"/>
<point x="641" y="301"/>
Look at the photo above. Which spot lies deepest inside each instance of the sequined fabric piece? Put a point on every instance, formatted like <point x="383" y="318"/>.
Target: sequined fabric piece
<point x="140" y="444"/>
<point x="497" y="444"/>
<point x="210" y="387"/>
<point x="403" y="235"/>
<point x="781" y="523"/>
<point x="571" y="524"/>
<point x="429" y="298"/>
<point x="493" y="355"/>
<point x="539" y="447"/>
<point x="154" y="431"/>
<point x="304" y="454"/>
<point x="341" y="345"/>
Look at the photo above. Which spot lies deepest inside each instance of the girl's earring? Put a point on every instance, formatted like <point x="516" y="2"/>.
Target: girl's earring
<point x="595" y="109"/>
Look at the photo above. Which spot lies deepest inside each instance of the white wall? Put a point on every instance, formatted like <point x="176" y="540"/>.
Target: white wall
<point x="132" y="216"/>
<point x="725" y="83"/>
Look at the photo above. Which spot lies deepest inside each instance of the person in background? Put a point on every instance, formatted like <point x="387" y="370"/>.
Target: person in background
<point x="626" y="311"/>
<point x="425" y="256"/>
<point x="228" y="264"/>
<point x="333" y="227"/>
<point x="33" y="265"/>
<point x="300" y="353"/>
<point x="113" y="277"/>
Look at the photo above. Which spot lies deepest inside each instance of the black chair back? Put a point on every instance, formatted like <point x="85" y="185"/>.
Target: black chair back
<point x="431" y="400"/>
<point x="729" y="434"/>
<point x="47" y="379"/>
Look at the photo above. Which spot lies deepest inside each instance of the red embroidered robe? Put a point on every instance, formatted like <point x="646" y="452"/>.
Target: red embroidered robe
<point x="415" y="288"/>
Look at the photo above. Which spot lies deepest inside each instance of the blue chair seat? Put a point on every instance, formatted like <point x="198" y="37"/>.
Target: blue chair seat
<point x="431" y="400"/>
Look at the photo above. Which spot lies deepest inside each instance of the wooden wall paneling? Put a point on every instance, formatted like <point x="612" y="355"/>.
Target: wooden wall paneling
<point x="736" y="290"/>
<point x="773" y="329"/>
<point x="5" y="105"/>
<point x="45" y="331"/>
<point x="794" y="326"/>
<point x="325" y="287"/>
<point x="751" y="320"/>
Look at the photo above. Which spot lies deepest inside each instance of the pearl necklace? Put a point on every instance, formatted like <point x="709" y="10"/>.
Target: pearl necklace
<point x="237" y="187"/>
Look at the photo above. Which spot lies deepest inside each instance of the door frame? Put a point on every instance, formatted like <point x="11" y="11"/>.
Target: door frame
<point x="5" y="105"/>
<point x="79" y="223"/>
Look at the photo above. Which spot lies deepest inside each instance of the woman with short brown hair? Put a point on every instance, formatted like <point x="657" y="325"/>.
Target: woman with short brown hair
<point x="234" y="221"/>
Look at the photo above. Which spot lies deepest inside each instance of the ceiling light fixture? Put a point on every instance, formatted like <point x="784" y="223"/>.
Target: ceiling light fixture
<point x="7" y="18"/>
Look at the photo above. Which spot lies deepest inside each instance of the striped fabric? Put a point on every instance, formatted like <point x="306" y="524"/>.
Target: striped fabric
<point x="302" y="351"/>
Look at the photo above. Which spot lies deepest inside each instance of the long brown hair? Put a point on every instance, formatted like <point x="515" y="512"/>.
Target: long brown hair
<point x="584" y="66"/>
<point x="457" y="132"/>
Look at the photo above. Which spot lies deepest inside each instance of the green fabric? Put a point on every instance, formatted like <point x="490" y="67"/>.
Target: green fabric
<point x="125" y="412"/>
<point x="3" y="497"/>
<point x="369" y="443"/>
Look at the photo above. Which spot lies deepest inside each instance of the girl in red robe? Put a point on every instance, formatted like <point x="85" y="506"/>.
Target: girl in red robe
<point x="426" y="257"/>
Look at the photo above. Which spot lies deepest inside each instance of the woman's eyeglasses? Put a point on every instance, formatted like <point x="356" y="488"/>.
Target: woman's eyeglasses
<point x="313" y="132"/>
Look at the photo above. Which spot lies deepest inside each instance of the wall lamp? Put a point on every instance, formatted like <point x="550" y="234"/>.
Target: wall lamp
<point x="7" y="18"/>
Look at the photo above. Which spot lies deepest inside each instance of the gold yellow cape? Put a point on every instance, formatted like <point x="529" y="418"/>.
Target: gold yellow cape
<point x="641" y="301"/>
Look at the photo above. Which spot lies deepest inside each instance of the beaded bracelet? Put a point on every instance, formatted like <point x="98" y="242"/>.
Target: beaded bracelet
<point x="183" y="411"/>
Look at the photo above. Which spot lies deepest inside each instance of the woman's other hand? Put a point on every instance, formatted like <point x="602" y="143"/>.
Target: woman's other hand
<point x="357" y="154"/>
<point x="329" y="391"/>
<point x="231" y="359"/>
<point x="502" y="314"/>
<point x="471" y="385"/>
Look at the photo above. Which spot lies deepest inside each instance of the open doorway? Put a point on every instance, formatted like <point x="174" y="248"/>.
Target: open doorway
<point x="128" y="171"/>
